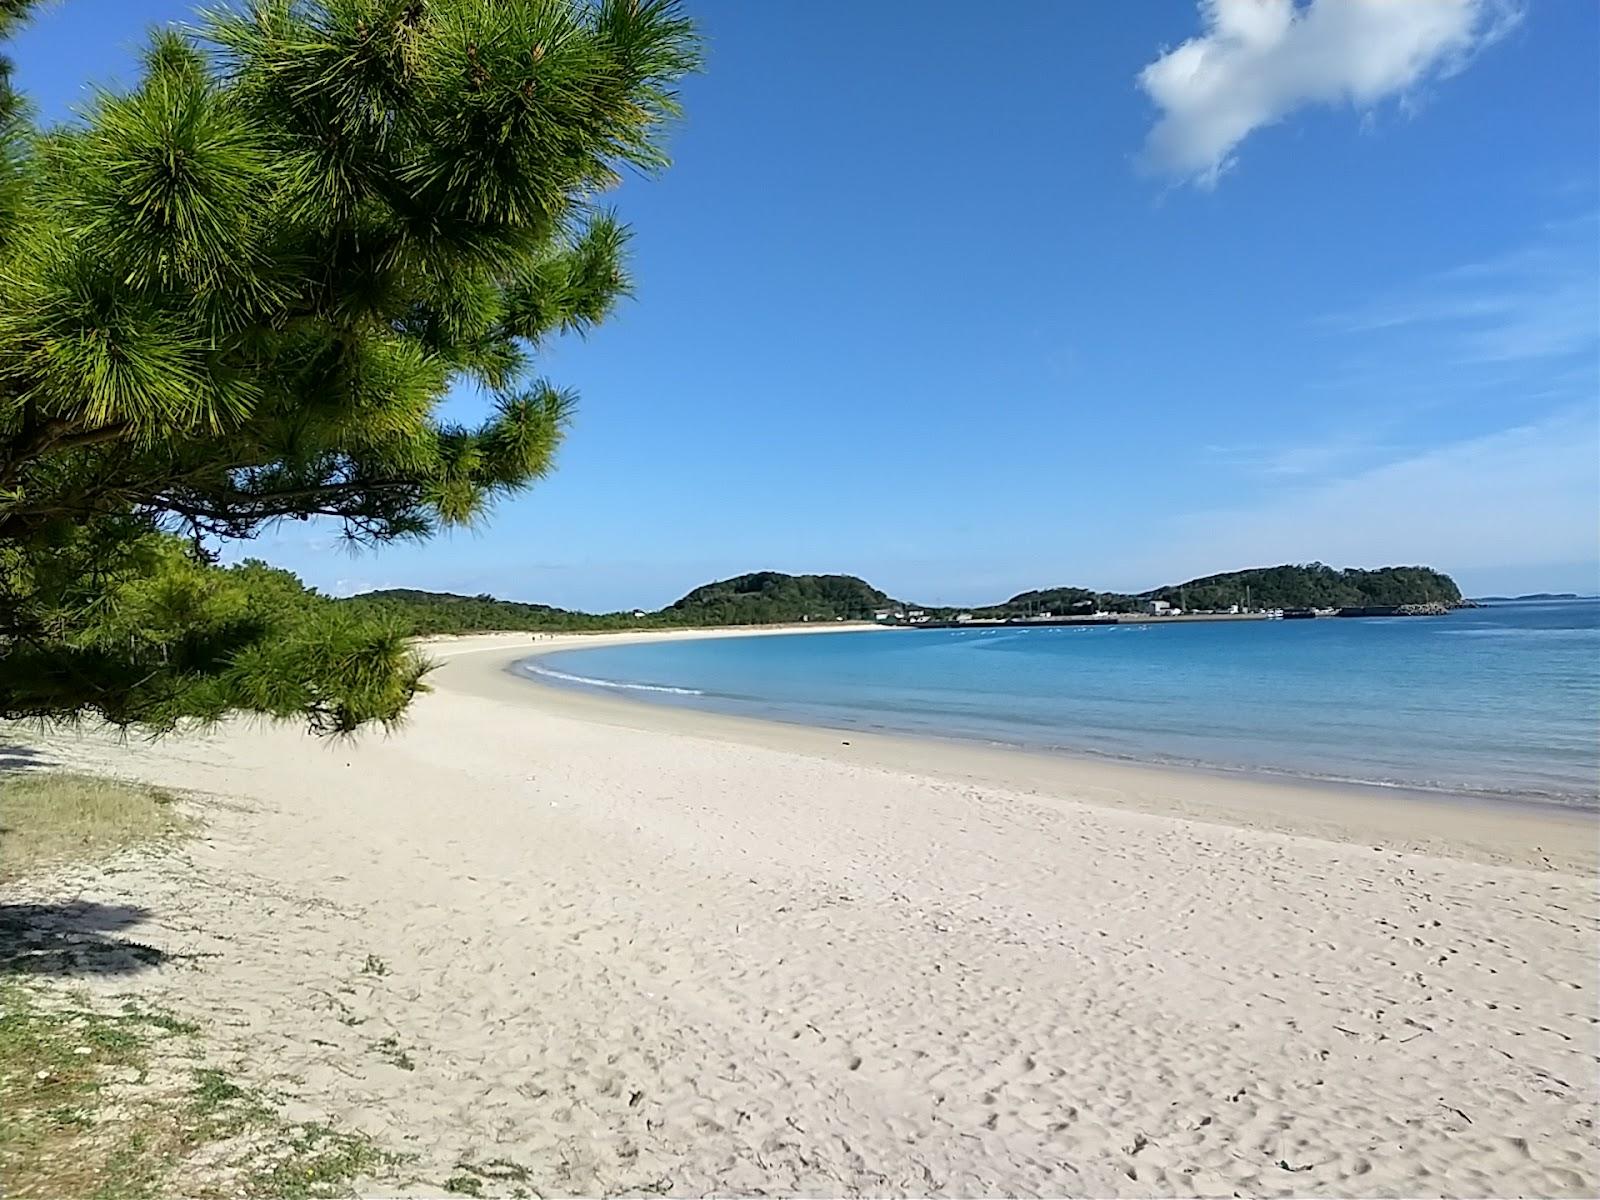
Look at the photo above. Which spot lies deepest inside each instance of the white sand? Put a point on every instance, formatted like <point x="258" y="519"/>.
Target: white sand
<point x="633" y="948"/>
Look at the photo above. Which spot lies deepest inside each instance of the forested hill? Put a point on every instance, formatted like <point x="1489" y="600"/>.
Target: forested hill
<point x="1314" y="586"/>
<point x="1308" y="585"/>
<point x="761" y="598"/>
<point x="445" y="612"/>
<point x="773" y="598"/>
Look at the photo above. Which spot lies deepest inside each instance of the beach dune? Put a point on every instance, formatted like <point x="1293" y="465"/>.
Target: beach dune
<point x="625" y="948"/>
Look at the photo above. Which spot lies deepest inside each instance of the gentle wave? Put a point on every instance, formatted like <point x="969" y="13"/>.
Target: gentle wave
<point x="1506" y="706"/>
<point x="1473" y="789"/>
<point x="1478" y="789"/>
<point x="612" y="683"/>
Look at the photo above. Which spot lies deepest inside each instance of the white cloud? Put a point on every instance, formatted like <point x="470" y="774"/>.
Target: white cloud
<point x="1521" y="498"/>
<point x="1259" y="60"/>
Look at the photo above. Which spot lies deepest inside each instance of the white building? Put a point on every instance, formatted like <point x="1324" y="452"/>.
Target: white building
<point x="1157" y="608"/>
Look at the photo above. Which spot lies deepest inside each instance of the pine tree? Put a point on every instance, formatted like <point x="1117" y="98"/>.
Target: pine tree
<point x="236" y="295"/>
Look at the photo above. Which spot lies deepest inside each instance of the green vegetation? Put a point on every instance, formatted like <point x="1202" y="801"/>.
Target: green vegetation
<point x="1309" y="585"/>
<point x="424" y="613"/>
<point x="1064" y="600"/>
<point x="236" y="294"/>
<point x="57" y="1063"/>
<point x="49" y="817"/>
<point x="98" y="1104"/>
<point x="771" y="597"/>
<point x="312" y="1160"/>
<point x="162" y="637"/>
<point x="761" y="598"/>
<point x="1314" y="586"/>
<point x="106" y="1100"/>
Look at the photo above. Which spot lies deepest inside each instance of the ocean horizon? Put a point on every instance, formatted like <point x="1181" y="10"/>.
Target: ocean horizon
<point x="1500" y="701"/>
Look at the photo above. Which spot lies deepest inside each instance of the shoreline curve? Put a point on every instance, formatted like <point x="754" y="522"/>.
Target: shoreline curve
<point x="1527" y="833"/>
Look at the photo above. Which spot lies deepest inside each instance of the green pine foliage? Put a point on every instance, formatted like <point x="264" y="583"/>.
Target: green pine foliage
<point x="237" y="293"/>
<point x="136" y="630"/>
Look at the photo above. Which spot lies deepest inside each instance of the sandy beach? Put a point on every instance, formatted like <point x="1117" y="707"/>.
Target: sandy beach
<point x="636" y="949"/>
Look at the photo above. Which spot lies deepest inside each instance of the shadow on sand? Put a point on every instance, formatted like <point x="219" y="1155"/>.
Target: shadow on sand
<point x="74" y="938"/>
<point x="15" y="757"/>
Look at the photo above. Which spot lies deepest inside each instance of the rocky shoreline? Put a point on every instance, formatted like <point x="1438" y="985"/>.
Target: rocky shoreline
<point x="1432" y="608"/>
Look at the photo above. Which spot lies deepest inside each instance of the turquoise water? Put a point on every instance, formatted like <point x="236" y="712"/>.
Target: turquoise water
<point x="1503" y="700"/>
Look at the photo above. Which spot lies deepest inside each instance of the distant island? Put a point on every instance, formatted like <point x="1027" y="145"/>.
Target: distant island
<point x="775" y="598"/>
<point x="1530" y="596"/>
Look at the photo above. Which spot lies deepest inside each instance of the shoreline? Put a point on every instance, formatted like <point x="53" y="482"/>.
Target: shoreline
<point x="1513" y="830"/>
<point x="596" y="947"/>
<point x="1421" y="793"/>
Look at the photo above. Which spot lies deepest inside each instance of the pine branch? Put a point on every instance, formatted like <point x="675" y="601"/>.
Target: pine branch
<point x="53" y="436"/>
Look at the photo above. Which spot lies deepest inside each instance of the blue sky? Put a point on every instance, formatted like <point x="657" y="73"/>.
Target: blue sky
<point x="1108" y="295"/>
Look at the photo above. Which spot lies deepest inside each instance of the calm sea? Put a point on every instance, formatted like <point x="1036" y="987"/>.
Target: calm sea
<point x="1503" y="700"/>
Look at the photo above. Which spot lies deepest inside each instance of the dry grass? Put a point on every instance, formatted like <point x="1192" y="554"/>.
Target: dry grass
<point x="110" y="1099"/>
<point x="109" y="1105"/>
<point x="51" y="818"/>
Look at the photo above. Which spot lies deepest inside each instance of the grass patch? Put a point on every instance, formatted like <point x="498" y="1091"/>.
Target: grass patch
<point x="93" y="1104"/>
<point x="112" y="1104"/>
<point x="60" y="1069"/>
<point x="219" y="1108"/>
<point x="316" y="1160"/>
<point x="49" y="818"/>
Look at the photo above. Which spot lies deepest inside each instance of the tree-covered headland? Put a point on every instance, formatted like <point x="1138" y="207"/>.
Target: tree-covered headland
<point x="1304" y="585"/>
<point x="772" y="597"/>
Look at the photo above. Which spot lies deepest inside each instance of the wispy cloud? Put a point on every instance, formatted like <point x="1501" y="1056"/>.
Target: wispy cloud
<point x="1257" y="61"/>
<point x="1523" y="497"/>
<point x="1532" y="309"/>
<point x="1308" y="458"/>
<point x="1463" y="428"/>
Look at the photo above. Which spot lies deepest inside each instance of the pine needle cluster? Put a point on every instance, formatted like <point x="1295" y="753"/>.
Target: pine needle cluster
<point x="238" y="293"/>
